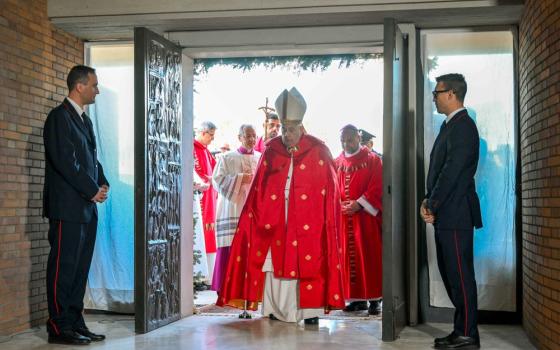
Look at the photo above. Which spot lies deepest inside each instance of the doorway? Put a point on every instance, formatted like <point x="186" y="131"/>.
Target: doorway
<point x="187" y="110"/>
<point x="338" y="89"/>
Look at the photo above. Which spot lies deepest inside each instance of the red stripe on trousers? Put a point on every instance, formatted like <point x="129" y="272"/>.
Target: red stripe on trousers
<point x="57" y="265"/>
<point x="54" y="326"/>
<point x="462" y="283"/>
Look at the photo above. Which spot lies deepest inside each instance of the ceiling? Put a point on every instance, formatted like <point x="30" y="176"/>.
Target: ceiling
<point x="105" y="25"/>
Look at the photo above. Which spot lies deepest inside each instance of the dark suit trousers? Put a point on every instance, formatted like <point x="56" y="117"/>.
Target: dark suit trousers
<point x="67" y="272"/>
<point x="454" y="250"/>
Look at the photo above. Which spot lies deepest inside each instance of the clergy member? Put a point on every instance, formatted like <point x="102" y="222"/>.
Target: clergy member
<point x="366" y="139"/>
<point x="204" y="163"/>
<point x="232" y="179"/>
<point x="285" y="251"/>
<point x="271" y="128"/>
<point x="360" y="182"/>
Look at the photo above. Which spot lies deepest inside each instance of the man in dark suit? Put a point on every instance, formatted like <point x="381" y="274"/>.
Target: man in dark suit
<point x="74" y="184"/>
<point x="452" y="206"/>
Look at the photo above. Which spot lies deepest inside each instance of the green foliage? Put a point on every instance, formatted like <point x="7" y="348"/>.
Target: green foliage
<point x="432" y="63"/>
<point x="198" y="283"/>
<point x="297" y="63"/>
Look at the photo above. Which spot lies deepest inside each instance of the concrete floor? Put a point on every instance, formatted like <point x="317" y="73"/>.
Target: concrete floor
<point x="222" y="332"/>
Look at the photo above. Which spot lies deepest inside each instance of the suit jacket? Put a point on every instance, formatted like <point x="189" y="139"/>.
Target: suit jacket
<point x="73" y="174"/>
<point x="453" y="161"/>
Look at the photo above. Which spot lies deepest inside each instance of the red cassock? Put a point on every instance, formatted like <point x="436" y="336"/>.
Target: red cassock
<point x="307" y="246"/>
<point x="204" y="164"/>
<point x="361" y="175"/>
<point x="259" y="145"/>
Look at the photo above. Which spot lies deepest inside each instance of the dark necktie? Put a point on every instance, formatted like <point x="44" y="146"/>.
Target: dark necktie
<point x="87" y="123"/>
<point x="443" y="125"/>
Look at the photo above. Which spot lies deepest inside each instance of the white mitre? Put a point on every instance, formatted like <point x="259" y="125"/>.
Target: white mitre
<point x="290" y="106"/>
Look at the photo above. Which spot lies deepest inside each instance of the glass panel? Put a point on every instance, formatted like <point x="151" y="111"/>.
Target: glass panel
<point x="111" y="277"/>
<point x="486" y="61"/>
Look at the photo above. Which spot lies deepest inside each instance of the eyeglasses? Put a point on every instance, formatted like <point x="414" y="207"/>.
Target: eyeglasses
<point x="436" y="92"/>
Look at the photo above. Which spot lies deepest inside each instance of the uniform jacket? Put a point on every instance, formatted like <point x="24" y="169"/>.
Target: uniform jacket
<point x="451" y="191"/>
<point x="73" y="174"/>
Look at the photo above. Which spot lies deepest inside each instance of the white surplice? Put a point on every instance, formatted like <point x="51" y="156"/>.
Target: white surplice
<point x="227" y="178"/>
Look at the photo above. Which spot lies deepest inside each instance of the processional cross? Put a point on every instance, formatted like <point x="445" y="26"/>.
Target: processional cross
<point x="267" y="110"/>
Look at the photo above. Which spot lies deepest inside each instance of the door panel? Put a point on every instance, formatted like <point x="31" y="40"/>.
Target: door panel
<point x="157" y="149"/>
<point x="394" y="182"/>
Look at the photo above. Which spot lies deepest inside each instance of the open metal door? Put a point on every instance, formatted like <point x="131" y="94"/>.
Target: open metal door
<point x="157" y="181"/>
<point x="394" y="182"/>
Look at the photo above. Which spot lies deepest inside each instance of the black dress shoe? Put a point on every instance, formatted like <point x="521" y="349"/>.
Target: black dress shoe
<point x="356" y="306"/>
<point x="69" y="337"/>
<point x="272" y="317"/>
<point x="374" y="307"/>
<point x="312" y="320"/>
<point x="444" y="340"/>
<point x="459" y="342"/>
<point x="87" y="333"/>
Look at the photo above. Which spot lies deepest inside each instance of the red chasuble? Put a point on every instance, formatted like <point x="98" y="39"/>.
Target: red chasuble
<point x="307" y="246"/>
<point x="361" y="175"/>
<point x="204" y="164"/>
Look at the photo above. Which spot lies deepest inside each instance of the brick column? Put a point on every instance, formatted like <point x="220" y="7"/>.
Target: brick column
<point x="539" y="60"/>
<point x="35" y="58"/>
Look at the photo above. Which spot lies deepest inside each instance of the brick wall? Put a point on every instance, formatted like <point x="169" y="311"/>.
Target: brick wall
<point x="34" y="60"/>
<point x="539" y="52"/>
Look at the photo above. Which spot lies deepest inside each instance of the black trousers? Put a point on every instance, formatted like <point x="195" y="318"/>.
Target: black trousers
<point x="454" y="250"/>
<point x="67" y="272"/>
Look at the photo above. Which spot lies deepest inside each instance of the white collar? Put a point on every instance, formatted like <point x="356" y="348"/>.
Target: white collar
<point x="347" y="155"/>
<point x="76" y="107"/>
<point x="452" y="114"/>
